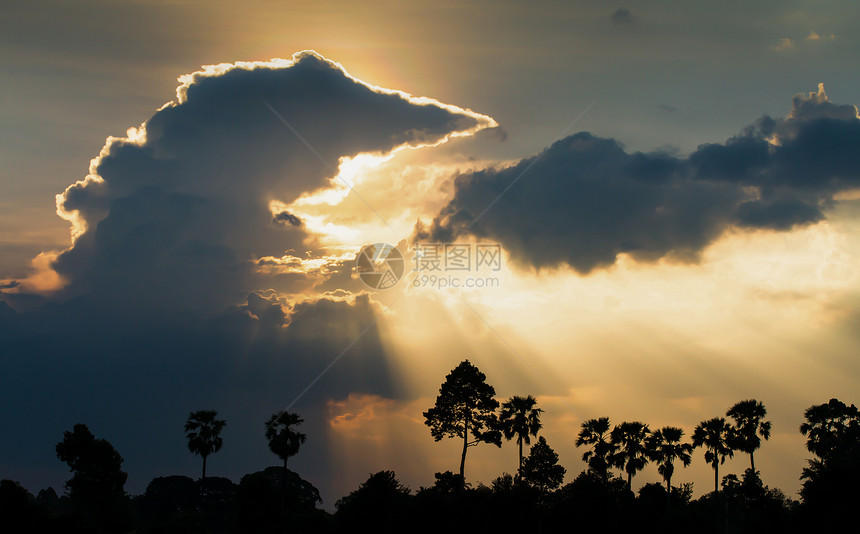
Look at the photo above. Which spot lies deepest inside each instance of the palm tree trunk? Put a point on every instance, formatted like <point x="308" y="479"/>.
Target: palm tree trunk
<point x="284" y="496"/>
<point x="668" y="491"/>
<point x="520" y="441"/>
<point x="629" y="481"/>
<point x="716" y="477"/>
<point x="203" y="479"/>
<point x="752" y="463"/>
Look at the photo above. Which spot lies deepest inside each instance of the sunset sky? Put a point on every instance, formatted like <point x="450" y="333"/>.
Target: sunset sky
<point x="184" y="186"/>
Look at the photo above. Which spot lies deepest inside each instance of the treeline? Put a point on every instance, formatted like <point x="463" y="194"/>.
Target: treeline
<point x="533" y="499"/>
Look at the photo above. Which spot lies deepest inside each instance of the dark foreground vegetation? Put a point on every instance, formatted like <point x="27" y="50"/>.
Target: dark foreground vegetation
<point x="532" y="500"/>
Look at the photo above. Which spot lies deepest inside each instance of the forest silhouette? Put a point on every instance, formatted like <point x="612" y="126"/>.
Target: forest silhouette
<point x="533" y="499"/>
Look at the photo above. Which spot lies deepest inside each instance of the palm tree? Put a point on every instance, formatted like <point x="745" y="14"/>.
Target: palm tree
<point x="715" y="435"/>
<point x="203" y="432"/>
<point x="519" y="417"/>
<point x="283" y="440"/>
<point x="666" y="447"/>
<point x="629" y="439"/>
<point x="749" y="425"/>
<point x="595" y="432"/>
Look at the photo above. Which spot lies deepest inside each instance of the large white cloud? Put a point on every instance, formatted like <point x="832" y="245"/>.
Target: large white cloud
<point x="171" y="215"/>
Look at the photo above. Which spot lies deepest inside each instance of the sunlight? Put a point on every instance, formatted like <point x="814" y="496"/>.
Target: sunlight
<point x="395" y="190"/>
<point x="668" y="337"/>
<point x="351" y="170"/>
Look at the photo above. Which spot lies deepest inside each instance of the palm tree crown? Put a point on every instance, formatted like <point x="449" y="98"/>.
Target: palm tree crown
<point x="595" y="432"/>
<point x="631" y="453"/>
<point x="666" y="447"/>
<point x="283" y="440"/>
<point x="203" y="432"/>
<point x="749" y="425"/>
<point x="519" y="417"/>
<point x="715" y="435"/>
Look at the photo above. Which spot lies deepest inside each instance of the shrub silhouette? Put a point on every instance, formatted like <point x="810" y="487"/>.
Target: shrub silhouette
<point x="274" y="500"/>
<point x="19" y="511"/>
<point x="540" y="469"/>
<point x="380" y="504"/>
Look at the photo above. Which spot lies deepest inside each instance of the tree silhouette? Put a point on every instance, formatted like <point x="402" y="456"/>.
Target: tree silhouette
<point x="666" y="447"/>
<point x="749" y="425"/>
<point x="631" y="451"/>
<point x="284" y="441"/>
<point x="541" y="469"/>
<point x="595" y="432"/>
<point x="832" y="429"/>
<point x="519" y="417"/>
<point x="96" y="489"/>
<point x="379" y="505"/>
<point x="715" y="435"/>
<point x="19" y="511"/>
<point x="465" y="406"/>
<point x="830" y="480"/>
<point x="203" y="432"/>
<point x="274" y="500"/>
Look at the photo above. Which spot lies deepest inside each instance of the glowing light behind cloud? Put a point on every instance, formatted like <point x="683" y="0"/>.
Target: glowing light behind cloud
<point x="395" y="191"/>
<point x="664" y="343"/>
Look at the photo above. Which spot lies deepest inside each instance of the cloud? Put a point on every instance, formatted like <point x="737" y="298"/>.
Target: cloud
<point x="285" y="217"/>
<point x="814" y="36"/>
<point x="173" y="212"/>
<point x="623" y="16"/>
<point x="817" y="105"/>
<point x="784" y="44"/>
<point x="187" y="285"/>
<point x="353" y="414"/>
<point x="585" y="200"/>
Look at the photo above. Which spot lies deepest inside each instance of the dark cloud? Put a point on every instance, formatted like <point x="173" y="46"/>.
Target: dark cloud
<point x="623" y="16"/>
<point x="136" y="377"/>
<point x="498" y="134"/>
<point x="585" y="200"/>
<point x="285" y="217"/>
<point x="777" y="214"/>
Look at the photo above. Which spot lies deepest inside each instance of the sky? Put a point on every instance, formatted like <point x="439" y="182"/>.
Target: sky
<point x="672" y="189"/>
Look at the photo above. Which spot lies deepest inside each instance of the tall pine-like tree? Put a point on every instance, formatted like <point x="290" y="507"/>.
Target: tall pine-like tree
<point x="466" y="409"/>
